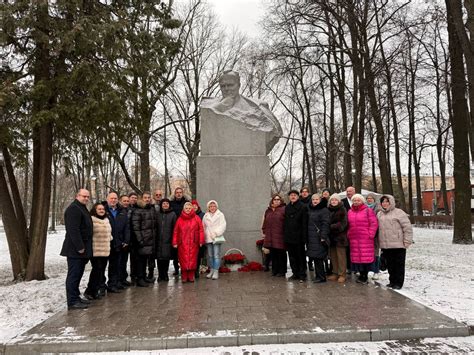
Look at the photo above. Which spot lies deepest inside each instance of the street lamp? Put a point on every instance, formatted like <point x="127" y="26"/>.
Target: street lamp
<point x="434" y="187"/>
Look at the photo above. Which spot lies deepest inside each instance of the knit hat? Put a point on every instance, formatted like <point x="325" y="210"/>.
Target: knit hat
<point x="335" y="196"/>
<point x="359" y="196"/>
<point x="293" y="191"/>
<point x="194" y="202"/>
<point x="212" y="201"/>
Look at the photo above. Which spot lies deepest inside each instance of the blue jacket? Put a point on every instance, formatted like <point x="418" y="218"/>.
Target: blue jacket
<point x="120" y="227"/>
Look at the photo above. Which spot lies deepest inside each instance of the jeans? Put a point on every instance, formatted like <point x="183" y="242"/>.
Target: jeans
<point x="75" y="271"/>
<point x="214" y="255"/>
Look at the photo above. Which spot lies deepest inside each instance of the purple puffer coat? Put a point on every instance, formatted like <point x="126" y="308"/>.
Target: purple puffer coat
<point x="361" y="233"/>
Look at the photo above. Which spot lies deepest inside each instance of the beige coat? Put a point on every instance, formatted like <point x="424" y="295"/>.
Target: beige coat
<point x="395" y="230"/>
<point x="101" y="237"/>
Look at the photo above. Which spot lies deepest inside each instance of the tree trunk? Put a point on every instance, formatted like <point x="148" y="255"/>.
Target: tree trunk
<point x="462" y="214"/>
<point x="54" y="198"/>
<point x="42" y="152"/>
<point x="15" y="231"/>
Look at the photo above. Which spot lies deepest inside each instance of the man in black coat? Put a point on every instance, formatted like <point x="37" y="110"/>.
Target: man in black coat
<point x="305" y="197"/>
<point x="347" y="202"/>
<point x="118" y="218"/>
<point x="77" y="247"/>
<point x="295" y="235"/>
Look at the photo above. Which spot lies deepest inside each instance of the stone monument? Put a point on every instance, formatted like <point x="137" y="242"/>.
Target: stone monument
<point x="237" y="133"/>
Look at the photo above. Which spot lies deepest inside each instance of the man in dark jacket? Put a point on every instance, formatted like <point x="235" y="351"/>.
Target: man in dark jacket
<point x="118" y="218"/>
<point x="295" y="233"/>
<point x="124" y="202"/>
<point x="347" y="202"/>
<point x="77" y="247"/>
<point x="177" y="203"/>
<point x="305" y="197"/>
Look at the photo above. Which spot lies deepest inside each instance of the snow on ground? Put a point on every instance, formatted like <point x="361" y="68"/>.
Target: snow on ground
<point x="439" y="275"/>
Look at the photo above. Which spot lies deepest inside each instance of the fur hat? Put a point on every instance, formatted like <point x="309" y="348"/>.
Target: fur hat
<point x="293" y="191"/>
<point x="335" y="196"/>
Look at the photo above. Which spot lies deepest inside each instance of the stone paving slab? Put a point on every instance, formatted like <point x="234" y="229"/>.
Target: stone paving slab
<point x="238" y="309"/>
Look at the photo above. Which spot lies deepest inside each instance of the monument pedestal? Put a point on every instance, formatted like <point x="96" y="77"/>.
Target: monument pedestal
<point x="233" y="169"/>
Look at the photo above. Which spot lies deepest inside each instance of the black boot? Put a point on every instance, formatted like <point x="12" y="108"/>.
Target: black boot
<point x="310" y="265"/>
<point x="150" y="278"/>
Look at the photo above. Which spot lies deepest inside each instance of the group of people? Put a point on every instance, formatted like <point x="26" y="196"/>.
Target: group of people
<point x="338" y="236"/>
<point x="150" y="232"/>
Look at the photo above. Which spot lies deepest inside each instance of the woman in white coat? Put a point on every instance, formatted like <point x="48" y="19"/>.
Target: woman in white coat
<point x="214" y="229"/>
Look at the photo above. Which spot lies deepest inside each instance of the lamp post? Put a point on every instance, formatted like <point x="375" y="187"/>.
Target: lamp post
<point x="434" y="187"/>
<point x="93" y="189"/>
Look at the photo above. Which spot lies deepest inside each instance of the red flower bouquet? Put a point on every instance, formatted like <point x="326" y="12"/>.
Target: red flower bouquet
<point x="234" y="258"/>
<point x="251" y="266"/>
<point x="223" y="270"/>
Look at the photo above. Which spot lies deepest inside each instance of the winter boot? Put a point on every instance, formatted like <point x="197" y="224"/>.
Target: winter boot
<point x="209" y="276"/>
<point x="332" y="277"/>
<point x="341" y="279"/>
<point x="215" y="274"/>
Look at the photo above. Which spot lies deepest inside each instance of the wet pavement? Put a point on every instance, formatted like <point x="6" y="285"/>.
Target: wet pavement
<point x="238" y="309"/>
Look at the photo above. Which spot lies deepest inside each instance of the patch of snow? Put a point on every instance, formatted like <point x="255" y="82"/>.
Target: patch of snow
<point x="438" y="275"/>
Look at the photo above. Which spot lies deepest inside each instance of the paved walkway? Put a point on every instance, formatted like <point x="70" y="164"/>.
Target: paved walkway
<point x="238" y="309"/>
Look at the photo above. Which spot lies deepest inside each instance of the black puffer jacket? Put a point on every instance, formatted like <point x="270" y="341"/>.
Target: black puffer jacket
<point x="144" y="228"/>
<point x="318" y="231"/>
<point x="166" y="222"/>
<point x="296" y="221"/>
<point x="338" y="225"/>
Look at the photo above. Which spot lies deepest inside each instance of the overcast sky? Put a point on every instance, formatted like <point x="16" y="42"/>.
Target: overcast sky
<point x="243" y="14"/>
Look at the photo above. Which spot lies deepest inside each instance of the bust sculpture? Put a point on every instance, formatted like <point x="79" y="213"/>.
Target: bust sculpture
<point x="254" y="114"/>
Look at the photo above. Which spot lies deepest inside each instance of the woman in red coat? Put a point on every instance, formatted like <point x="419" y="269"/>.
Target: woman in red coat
<point x="188" y="237"/>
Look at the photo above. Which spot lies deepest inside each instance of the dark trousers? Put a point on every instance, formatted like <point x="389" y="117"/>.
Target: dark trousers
<point x="99" y="264"/>
<point x="297" y="256"/>
<point x="319" y="271"/>
<point x="279" y="261"/>
<point x="133" y="263"/>
<point x="142" y="262"/>
<point x="174" y="256"/>
<point x="163" y="267"/>
<point x="395" y="265"/>
<point x="114" y="268"/>
<point x="348" y="258"/>
<point x="123" y="274"/>
<point x="75" y="271"/>
<point x="151" y="264"/>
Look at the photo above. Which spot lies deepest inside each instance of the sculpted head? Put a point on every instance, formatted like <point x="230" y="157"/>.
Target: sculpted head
<point x="229" y="83"/>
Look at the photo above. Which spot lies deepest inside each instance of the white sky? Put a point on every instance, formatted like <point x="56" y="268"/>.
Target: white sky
<point x="243" y="14"/>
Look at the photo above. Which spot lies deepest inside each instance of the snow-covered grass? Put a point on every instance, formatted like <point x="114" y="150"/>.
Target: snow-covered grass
<point x="439" y="275"/>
